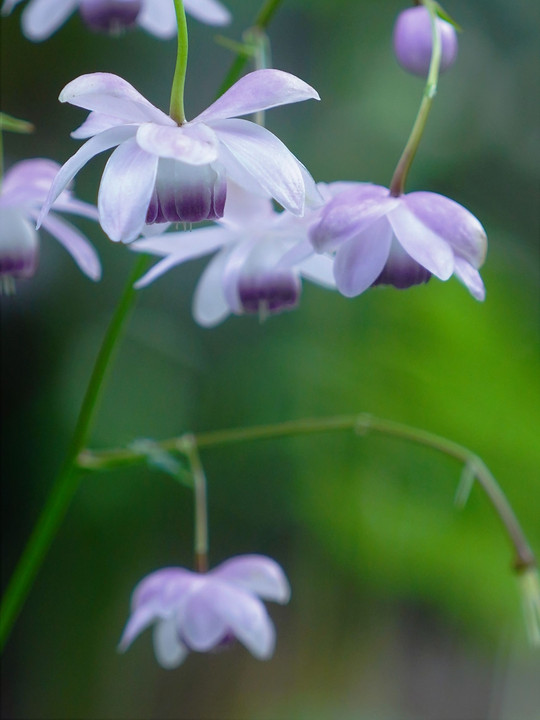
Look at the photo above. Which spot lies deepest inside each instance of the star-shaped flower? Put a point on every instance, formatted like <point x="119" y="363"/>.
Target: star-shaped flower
<point x="23" y="191"/>
<point x="201" y="611"/>
<point x="262" y="256"/>
<point x="41" y="18"/>
<point x="400" y="241"/>
<point x="165" y="172"/>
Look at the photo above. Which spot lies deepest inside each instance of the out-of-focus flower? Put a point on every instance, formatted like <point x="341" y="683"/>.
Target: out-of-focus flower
<point x="41" y="18"/>
<point x="413" y="42"/>
<point x="23" y="192"/>
<point x="202" y="611"/>
<point x="400" y="241"/>
<point x="165" y="172"/>
<point x="262" y="256"/>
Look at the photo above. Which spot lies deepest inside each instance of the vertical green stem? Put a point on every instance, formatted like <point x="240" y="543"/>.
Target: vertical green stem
<point x="176" y="110"/>
<point x="189" y="446"/>
<point x="68" y="478"/>
<point x="397" y="186"/>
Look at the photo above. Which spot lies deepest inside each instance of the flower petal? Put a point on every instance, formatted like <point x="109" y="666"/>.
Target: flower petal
<point x="470" y="277"/>
<point x="258" y="90"/>
<point x="43" y="17"/>
<point x="360" y="260"/>
<point x="112" y="95"/>
<point x="422" y="244"/>
<point x="319" y="269"/>
<point x="95" y="123"/>
<point x="170" y="651"/>
<point x="178" y="248"/>
<point x="452" y="222"/>
<point x="243" y="208"/>
<point x="76" y="244"/>
<point x="158" y="17"/>
<point x="209" y="304"/>
<point x="125" y="191"/>
<point x="256" y="573"/>
<point x="208" y="11"/>
<point x="97" y="144"/>
<point x="28" y="182"/>
<point x="267" y="159"/>
<point x="192" y="144"/>
<point x="138" y="621"/>
<point x="202" y="627"/>
<point x="19" y="244"/>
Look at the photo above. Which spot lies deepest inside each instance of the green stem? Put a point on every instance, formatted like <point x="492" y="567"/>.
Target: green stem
<point x="68" y="478"/>
<point x="524" y="556"/>
<point x="176" y="110"/>
<point x="189" y="444"/>
<point x="263" y="19"/>
<point x="397" y="186"/>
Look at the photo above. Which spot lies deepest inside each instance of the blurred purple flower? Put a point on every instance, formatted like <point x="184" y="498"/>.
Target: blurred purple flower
<point x="41" y="18"/>
<point x="163" y="172"/>
<point x="23" y="191"/>
<point x="413" y="43"/>
<point x="202" y="611"/>
<point x="400" y="241"/>
<point x="262" y="256"/>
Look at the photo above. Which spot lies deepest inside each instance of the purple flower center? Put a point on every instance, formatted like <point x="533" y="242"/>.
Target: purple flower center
<point x="274" y="291"/>
<point x="401" y="270"/>
<point x="110" y="15"/>
<point x="187" y="193"/>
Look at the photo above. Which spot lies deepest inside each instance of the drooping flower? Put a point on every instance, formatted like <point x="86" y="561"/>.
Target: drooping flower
<point x="413" y="42"/>
<point x="165" y="172"/>
<point x="41" y="18"/>
<point x="400" y="241"/>
<point x="262" y="256"/>
<point x="202" y="611"/>
<point x="23" y="192"/>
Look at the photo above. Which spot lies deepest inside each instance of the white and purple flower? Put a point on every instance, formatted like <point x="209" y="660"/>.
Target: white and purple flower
<point x="413" y="41"/>
<point x="263" y="254"/>
<point x="203" y="611"/>
<point x="165" y="172"/>
<point x="23" y="192"/>
<point x="381" y="239"/>
<point x="41" y="18"/>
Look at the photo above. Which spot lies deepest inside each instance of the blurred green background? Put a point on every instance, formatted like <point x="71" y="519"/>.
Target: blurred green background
<point x="403" y="607"/>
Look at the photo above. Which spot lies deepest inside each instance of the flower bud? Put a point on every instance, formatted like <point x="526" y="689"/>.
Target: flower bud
<point x="413" y="43"/>
<point x="110" y="15"/>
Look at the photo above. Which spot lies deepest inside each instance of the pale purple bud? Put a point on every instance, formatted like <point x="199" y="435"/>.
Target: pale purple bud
<point x="271" y="291"/>
<point x="413" y="41"/>
<point x="110" y="15"/>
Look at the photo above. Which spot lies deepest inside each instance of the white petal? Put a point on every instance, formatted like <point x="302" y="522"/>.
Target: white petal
<point x="319" y="269"/>
<point x="470" y="277"/>
<point x="258" y="90"/>
<point x="209" y="304"/>
<point x="202" y="627"/>
<point x="208" y="11"/>
<point x="158" y="17"/>
<point x="259" y="574"/>
<point x="19" y="244"/>
<point x="360" y="260"/>
<point x="76" y="244"/>
<point x="139" y="620"/>
<point x="112" y="95"/>
<point x="125" y="191"/>
<point x="192" y="144"/>
<point x="244" y="208"/>
<point x="66" y="203"/>
<point x="95" y="123"/>
<point x="237" y="257"/>
<point x="421" y="243"/>
<point x="267" y="159"/>
<point x="8" y="6"/>
<point x="97" y="144"/>
<point x="43" y="17"/>
<point x="178" y="248"/>
<point x="170" y="651"/>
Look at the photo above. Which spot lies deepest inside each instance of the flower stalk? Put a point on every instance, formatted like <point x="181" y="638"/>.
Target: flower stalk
<point x="187" y="445"/>
<point x="397" y="185"/>
<point x="176" y="109"/>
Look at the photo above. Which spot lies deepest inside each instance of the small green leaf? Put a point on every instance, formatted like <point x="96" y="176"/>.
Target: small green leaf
<point x="11" y="124"/>
<point x="441" y="12"/>
<point x="239" y="48"/>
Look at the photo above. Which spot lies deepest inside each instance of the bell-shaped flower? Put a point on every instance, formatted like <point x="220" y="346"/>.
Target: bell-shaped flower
<point x="41" y="18"/>
<point x="400" y="241"/>
<point x="413" y="41"/>
<point x="262" y="256"/>
<point x="23" y="192"/>
<point x="203" y="611"/>
<point x="165" y="172"/>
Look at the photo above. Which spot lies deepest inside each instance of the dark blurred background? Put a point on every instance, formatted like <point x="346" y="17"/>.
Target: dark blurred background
<point x="403" y="607"/>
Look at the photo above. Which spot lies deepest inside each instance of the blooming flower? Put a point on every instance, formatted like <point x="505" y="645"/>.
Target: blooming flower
<point x="262" y="255"/>
<point x="201" y="611"/>
<point x="162" y="171"/>
<point x="24" y="189"/>
<point x="41" y="18"/>
<point x="413" y="42"/>
<point x="401" y="241"/>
